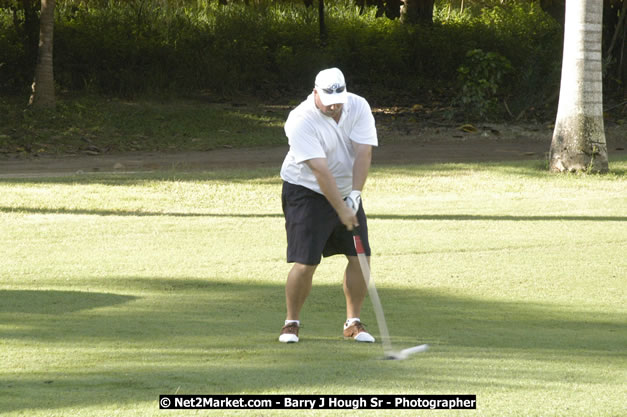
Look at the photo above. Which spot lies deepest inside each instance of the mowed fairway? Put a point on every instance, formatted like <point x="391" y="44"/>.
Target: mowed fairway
<point x="117" y="288"/>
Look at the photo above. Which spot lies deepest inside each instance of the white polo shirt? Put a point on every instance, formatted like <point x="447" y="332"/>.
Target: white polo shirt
<point x="311" y="134"/>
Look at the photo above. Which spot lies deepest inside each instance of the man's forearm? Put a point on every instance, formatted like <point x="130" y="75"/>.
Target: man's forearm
<point x="328" y="186"/>
<point x="327" y="183"/>
<point x="363" y="158"/>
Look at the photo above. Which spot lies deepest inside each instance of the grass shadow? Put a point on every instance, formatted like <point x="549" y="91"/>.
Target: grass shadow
<point x="229" y="307"/>
<point x="209" y="336"/>
<point x="56" y="302"/>
<point x="415" y="217"/>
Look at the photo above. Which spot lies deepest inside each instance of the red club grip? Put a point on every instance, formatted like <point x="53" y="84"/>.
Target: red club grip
<point x="359" y="247"/>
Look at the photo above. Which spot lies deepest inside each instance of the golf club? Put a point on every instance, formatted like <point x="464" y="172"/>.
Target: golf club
<point x="388" y="351"/>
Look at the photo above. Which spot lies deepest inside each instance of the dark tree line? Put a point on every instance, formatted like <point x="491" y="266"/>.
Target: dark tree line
<point x="38" y="36"/>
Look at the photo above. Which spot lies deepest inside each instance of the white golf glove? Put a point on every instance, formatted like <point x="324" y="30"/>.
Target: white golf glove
<point x="353" y="200"/>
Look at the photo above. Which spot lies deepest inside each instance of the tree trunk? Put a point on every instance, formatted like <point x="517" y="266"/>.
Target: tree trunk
<point x="417" y="11"/>
<point x="578" y="143"/>
<point x="43" y="85"/>
<point x="392" y="8"/>
<point x="321" y="24"/>
<point x="616" y="31"/>
<point x="31" y="30"/>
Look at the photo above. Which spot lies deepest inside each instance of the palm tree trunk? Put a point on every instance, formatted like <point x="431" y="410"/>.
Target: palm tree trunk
<point x="43" y="85"/>
<point x="579" y="137"/>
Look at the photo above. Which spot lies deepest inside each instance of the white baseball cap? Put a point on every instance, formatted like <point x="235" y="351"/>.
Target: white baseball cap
<point x="331" y="86"/>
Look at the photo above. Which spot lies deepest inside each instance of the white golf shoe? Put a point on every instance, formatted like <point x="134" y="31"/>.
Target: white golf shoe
<point x="289" y="333"/>
<point x="358" y="332"/>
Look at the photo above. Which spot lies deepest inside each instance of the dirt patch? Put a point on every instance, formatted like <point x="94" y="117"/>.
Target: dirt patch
<point x="398" y="145"/>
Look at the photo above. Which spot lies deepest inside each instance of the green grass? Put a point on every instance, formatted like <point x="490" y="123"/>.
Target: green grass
<point x="118" y="288"/>
<point x="84" y="124"/>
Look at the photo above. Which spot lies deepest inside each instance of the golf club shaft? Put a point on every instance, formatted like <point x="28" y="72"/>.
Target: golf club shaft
<point x="372" y="292"/>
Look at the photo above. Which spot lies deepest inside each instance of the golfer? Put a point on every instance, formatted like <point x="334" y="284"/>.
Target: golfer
<point x="331" y="135"/>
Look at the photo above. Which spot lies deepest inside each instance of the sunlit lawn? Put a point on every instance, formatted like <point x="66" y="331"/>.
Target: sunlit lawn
<point x="117" y="288"/>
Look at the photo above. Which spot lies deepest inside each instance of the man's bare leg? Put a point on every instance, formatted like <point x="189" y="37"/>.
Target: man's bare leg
<point x="297" y="289"/>
<point x="355" y="290"/>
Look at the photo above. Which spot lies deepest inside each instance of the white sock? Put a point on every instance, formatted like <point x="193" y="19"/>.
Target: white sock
<point x="293" y="321"/>
<point x="350" y="321"/>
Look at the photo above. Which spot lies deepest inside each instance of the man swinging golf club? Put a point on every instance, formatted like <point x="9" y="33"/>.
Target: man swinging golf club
<point x="331" y="135"/>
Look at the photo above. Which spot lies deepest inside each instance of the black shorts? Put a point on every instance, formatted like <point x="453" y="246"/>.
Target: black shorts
<point x="314" y="228"/>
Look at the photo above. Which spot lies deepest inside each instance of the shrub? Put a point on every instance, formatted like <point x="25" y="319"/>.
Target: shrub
<point x="16" y="68"/>
<point x="481" y="79"/>
<point x="272" y="49"/>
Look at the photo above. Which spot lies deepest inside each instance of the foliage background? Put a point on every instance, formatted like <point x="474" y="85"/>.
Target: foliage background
<point x="272" y="50"/>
